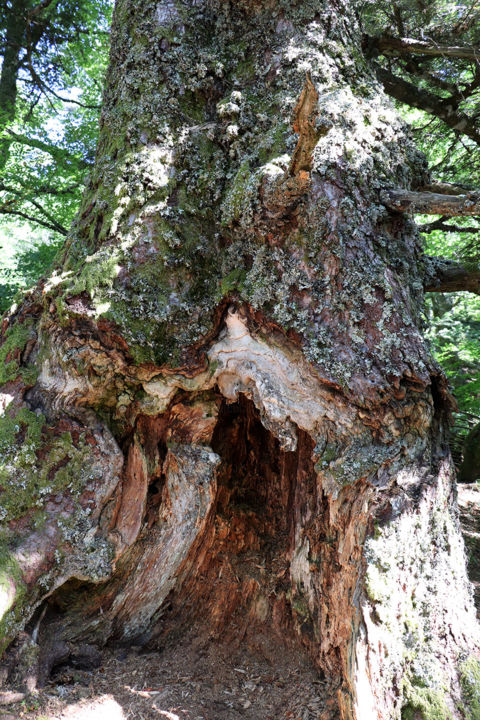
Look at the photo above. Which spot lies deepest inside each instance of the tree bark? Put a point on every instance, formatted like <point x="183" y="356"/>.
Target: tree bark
<point x="220" y="418"/>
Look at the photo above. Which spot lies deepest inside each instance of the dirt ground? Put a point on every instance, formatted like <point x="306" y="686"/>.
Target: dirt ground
<point x="258" y="680"/>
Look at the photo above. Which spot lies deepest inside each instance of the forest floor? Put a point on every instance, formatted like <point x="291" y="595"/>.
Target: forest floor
<point x="263" y="680"/>
<point x="258" y="679"/>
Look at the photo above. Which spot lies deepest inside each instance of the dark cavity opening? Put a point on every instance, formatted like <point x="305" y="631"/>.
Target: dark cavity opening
<point x="240" y="582"/>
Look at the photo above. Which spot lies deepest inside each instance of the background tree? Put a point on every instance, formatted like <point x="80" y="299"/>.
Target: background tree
<point x="53" y="60"/>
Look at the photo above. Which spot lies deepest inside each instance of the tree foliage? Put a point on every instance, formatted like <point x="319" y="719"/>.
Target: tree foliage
<point x="54" y="55"/>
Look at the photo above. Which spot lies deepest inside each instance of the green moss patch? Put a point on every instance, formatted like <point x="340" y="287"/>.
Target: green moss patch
<point x="470" y="683"/>
<point x="35" y="462"/>
<point x="14" y="343"/>
<point x="12" y="590"/>
<point x="427" y="702"/>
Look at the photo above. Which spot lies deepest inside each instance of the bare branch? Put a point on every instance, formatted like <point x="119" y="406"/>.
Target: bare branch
<point x="8" y="208"/>
<point x="445" y="188"/>
<point x="71" y="100"/>
<point x="409" y="94"/>
<point x="46" y="90"/>
<point x="31" y="218"/>
<point x="384" y="45"/>
<point x="426" y="203"/>
<point x="448" y="276"/>
<point x="440" y="224"/>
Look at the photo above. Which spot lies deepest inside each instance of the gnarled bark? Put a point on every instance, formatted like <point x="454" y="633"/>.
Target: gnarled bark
<point x="220" y="417"/>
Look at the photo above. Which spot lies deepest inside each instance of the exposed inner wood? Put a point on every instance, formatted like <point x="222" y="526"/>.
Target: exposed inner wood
<point x="258" y="549"/>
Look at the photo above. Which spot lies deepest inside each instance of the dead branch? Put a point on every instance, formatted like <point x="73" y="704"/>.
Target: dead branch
<point x="429" y="203"/>
<point x="449" y="276"/>
<point x="385" y="45"/>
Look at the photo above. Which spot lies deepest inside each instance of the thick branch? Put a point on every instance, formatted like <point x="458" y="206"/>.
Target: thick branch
<point x="411" y="95"/>
<point x="385" y="45"/>
<point x="448" y="276"/>
<point x="445" y="188"/>
<point x="426" y="203"/>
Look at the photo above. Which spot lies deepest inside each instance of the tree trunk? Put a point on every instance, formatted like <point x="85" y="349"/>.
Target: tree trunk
<point x="221" y="419"/>
<point x="14" y="34"/>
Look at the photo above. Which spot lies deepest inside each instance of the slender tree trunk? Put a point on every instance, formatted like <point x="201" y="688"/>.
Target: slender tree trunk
<point x="221" y="417"/>
<point x="8" y="77"/>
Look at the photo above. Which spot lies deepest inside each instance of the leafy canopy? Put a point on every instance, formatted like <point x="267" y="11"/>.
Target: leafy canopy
<point x="53" y="60"/>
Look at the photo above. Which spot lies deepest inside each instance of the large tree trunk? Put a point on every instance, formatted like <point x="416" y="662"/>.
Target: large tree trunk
<point x="220" y="416"/>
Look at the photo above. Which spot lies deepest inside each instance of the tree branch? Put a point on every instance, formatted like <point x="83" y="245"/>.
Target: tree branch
<point x="432" y="104"/>
<point x="45" y="89"/>
<point x="50" y="221"/>
<point x="426" y="203"/>
<point x="71" y="100"/>
<point x="31" y="218"/>
<point x="448" y="276"/>
<point x="59" y="154"/>
<point x="39" y="9"/>
<point x="440" y="224"/>
<point x="384" y="45"/>
<point x="445" y="188"/>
